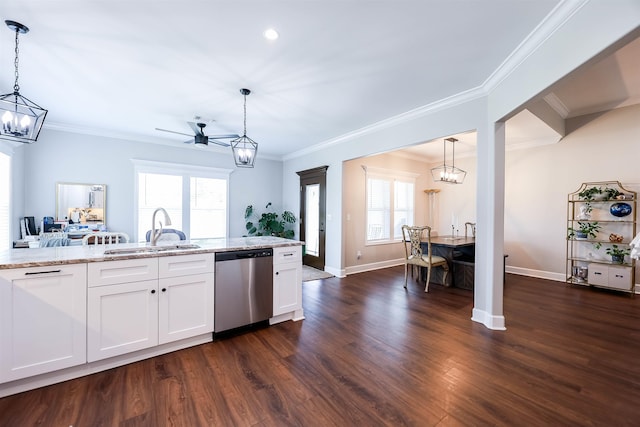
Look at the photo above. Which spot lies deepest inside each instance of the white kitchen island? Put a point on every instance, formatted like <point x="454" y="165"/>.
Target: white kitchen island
<point x="57" y="304"/>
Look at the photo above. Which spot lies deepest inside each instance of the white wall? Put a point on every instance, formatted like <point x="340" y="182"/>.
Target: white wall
<point x="406" y="132"/>
<point x="69" y="157"/>
<point x="599" y="147"/>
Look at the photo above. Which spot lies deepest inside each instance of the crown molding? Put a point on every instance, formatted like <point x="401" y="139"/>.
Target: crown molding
<point x="554" y="20"/>
<point x="540" y="34"/>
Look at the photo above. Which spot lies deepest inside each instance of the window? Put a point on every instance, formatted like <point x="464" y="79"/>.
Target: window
<point x="390" y="204"/>
<point x="5" y="194"/>
<point x="194" y="197"/>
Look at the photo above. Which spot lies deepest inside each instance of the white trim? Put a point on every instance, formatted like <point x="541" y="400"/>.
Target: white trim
<point x="186" y="172"/>
<point x="543" y="31"/>
<point x="372" y="266"/>
<point x="490" y="321"/>
<point x="556" y="105"/>
<point x="168" y="168"/>
<point x="549" y="275"/>
<point x="389" y="173"/>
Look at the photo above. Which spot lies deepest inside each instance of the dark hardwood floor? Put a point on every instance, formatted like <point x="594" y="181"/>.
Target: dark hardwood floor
<point x="370" y="353"/>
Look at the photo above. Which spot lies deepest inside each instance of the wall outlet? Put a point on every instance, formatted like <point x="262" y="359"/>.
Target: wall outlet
<point x="358" y="255"/>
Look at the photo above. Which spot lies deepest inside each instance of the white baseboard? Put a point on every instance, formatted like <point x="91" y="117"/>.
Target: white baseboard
<point x="490" y="321"/>
<point x="373" y="266"/>
<point x="558" y="277"/>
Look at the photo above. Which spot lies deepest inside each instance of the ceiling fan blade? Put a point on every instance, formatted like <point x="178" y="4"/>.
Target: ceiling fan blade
<point x="228" y="136"/>
<point x="173" y="131"/>
<point x="189" y="141"/>
<point x="195" y="128"/>
<point x="224" y="144"/>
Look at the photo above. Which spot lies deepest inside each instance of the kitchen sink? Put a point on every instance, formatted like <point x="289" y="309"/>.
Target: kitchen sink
<point x="150" y="249"/>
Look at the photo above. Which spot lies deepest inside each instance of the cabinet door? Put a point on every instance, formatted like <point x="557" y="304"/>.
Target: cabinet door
<point x="42" y="320"/>
<point x="185" y="307"/>
<point x="121" y="318"/>
<point x="287" y="287"/>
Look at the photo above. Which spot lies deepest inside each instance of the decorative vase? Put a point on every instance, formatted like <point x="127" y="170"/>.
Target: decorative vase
<point x="617" y="259"/>
<point x="620" y="209"/>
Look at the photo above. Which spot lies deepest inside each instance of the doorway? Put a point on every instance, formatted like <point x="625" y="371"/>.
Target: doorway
<point x="313" y="215"/>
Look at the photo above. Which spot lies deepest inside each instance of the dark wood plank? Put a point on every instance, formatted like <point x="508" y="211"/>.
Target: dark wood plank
<point x="372" y="353"/>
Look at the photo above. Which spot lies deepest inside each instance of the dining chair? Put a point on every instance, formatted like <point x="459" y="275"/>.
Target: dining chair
<point x="413" y="237"/>
<point x="168" y="234"/>
<point x="105" y="238"/>
<point x="472" y="227"/>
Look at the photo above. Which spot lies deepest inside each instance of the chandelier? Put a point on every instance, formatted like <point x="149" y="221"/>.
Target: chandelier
<point x="21" y="118"/>
<point x="244" y="148"/>
<point x="449" y="173"/>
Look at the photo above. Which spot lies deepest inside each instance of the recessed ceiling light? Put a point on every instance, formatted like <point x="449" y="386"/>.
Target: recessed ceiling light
<point x="271" y="34"/>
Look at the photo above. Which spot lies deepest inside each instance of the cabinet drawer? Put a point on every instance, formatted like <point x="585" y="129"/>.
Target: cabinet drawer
<point x="598" y="274"/>
<point x="185" y="265"/>
<point x="620" y="277"/>
<point x="131" y="270"/>
<point x="287" y="254"/>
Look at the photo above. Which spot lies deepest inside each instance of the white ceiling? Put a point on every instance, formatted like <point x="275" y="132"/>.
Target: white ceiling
<point x="611" y="82"/>
<point x="123" y="68"/>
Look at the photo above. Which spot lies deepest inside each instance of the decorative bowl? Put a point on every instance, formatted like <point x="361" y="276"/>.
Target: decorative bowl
<point x="620" y="209"/>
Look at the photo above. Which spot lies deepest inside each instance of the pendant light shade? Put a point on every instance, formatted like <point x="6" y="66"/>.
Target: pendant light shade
<point x="449" y="173"/>
<point x="244" y="148"/>
<point x="21" y="118"/>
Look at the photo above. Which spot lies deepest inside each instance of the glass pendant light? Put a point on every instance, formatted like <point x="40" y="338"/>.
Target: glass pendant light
<point x="449" y="173"/>
<point x="21" y="118"/>
<point x="244" y="148"/>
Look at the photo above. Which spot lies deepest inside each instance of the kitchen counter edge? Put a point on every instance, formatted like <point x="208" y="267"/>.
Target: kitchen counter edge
<point x="43" y="257"/>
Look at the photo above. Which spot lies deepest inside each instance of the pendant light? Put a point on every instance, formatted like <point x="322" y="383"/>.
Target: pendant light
<point x="244" y="148"/>
<point x="21" y="118"/>
<point x="449" y="174"/>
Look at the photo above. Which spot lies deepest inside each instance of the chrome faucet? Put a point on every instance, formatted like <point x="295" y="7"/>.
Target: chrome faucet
<point x="155" y="234"/>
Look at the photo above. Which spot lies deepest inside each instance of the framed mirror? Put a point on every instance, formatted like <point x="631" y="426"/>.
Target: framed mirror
<point x="81" y="203"/>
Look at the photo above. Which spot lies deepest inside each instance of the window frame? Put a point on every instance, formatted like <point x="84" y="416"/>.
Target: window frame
<point x="8" y="235"/>
<point x="392" y="176"/>
<point x="186" y="172"/>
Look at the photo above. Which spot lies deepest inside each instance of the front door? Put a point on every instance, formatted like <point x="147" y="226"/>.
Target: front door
<point x="313" y="215"/>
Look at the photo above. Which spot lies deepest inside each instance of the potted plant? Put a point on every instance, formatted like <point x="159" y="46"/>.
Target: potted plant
<point x="590" y="194"/>
<point x="617" y="253"/>
<point x="610" y="193"/>
<point x="585" y="230"/>
<point x="269" y="223"/>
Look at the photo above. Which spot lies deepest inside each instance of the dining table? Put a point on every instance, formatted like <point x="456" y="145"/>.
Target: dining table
<point x="452" y="248"/>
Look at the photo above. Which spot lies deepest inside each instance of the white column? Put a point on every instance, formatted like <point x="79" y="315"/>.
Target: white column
<point x="488" y="293"/>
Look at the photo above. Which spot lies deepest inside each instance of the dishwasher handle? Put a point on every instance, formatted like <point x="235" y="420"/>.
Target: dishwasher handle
<point x="245" y="254"/>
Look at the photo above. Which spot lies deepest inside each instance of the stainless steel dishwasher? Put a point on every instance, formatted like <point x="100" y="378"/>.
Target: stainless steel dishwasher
<point x="243" y="288"/>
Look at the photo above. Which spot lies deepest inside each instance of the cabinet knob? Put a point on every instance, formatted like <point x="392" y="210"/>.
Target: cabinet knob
<point x="277" y="272"/>
<point x="153" y="291"/>
<point x="164" y="289"/>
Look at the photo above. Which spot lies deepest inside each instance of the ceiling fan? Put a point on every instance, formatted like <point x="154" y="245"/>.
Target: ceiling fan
<point x="200" y="138"/>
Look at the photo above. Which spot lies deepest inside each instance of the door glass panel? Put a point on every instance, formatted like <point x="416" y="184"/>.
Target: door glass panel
<point x="312" y="217"/>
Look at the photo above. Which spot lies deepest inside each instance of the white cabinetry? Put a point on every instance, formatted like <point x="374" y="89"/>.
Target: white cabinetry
<point x="42" y="320"/>
<point x="287" y="283"/>
<point x="122" y="307"/>
<point x="140" y="303"/>
<point x="186" y="296"/>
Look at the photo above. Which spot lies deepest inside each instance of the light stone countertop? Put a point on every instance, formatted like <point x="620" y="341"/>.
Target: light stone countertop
<point x="40" y="257"/>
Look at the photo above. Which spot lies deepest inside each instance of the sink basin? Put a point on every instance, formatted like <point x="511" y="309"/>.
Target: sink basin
<point x="150" y="249"/>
